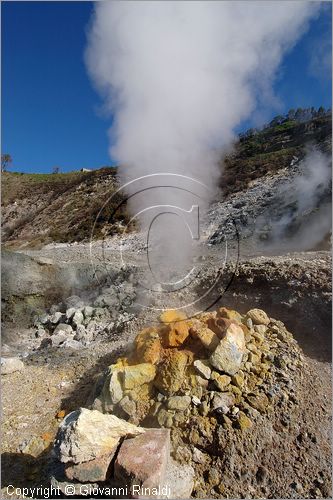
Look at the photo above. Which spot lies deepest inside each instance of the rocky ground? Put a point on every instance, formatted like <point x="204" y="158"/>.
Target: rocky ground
<point x="71" y="343"/>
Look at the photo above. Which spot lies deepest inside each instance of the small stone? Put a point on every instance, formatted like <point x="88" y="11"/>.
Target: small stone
<point x="77" y="318"/>
<point x="55" y="318"/>
<point x="70" y="313"/>
<point x="175" y="334"/>
<point x="234" y="410"/>
<point x="43" y="319"/>
<point x="179" y="402"/>
<point x="222" y="402"/>
<point x="58" y="339"/>
<point x="148" y="346"/>
<point x="202" y="367"/>
<point x="221" y="381"/>
<point x="238" y="380"/>
<point x="249" y="323"/>
<point x="143" y="460"/>
<point x="196" y="401"/>
<point x="205" y="335"/>
<point x="198" y="457"/>
<point x="223" y="312"/>
<point x="73" y="302"/>
<point x="165" y="418"/>
<point x="88" y="434"/>
<point x="71" y="344"/>
<point x="261" y="329"/>
<point x="88" y="311"/>
<point x="63" y="328"/>
<point x="11" y="365"/>
<point x="258" y="316"/>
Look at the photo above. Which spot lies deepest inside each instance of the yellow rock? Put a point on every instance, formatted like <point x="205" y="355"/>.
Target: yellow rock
<point x="176" y="333"/>
<point x="171" y="372"/>
<point x="223" y="312"/>
<point x="238" y="380"/>
<point x="221" y="381"/>
<point x="206" y="336"/>
<point x="243" y="421"/>
<point x="172" y="315"/>
<point x="148" y="346"/>
<point x="258" y="316"/>
<point x="136" y="375"/>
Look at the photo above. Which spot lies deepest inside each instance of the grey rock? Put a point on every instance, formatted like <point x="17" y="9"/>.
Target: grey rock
<point x="180" y="480"/>
<point x="228" y="355"/>
<point x="70" y="313"/>
<point x="77" y="318"/>
<point x="55" y="318"/>
<point x="74" y="301"/>
<point x="11" y="365"/>
<point x="63" y="328"/>
<point x="202" y="367"/>
<point x="88" y="311"/>
<point x="72" y="344"/>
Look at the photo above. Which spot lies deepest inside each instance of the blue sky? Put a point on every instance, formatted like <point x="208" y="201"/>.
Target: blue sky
<point x="51" y="114"/>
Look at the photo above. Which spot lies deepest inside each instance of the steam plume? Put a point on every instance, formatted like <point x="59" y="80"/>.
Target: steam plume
<point x="178" y="78"/>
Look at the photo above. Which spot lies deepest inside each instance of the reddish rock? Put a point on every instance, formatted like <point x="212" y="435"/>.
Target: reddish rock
<point x="94" y="470"/>
<point x="143" y="460"/>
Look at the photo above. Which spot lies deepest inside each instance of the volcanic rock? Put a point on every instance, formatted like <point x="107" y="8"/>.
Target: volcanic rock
<point x="258" y="317"/>
<point x="11" y="365"/>
<point x="170" y="375"/>
<point x="148" y="346"/>
<point x="91" y="471"/>
<point x="179" y="402"/>
<point x="88" y="434"/>
<point x="63" y="328"/>
<point x="135" y="375"/>
<point x="143" y="459"/>
<point x="203" y="368"/>
<point x="228" y="355"/>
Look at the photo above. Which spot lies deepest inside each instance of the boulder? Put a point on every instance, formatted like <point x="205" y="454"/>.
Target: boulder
<point x="143" y="460"/>
<point x="228" y="355"/>
<point x="11" y="365"/>
<point x="258" y="317"/>
<point x="112" y="391"/>
<point x="85" y="435"/>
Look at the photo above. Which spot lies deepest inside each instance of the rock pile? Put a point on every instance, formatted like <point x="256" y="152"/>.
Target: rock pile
<point x="209" y="379"/>
<point x="75" y="323"/>
<point x="217" y="364"/>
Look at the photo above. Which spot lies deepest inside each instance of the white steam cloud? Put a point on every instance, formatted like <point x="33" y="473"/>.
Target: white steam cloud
<point x="178" y="77"/>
